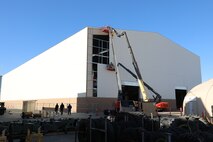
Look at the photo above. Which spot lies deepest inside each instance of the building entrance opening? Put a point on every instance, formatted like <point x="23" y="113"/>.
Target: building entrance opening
<point x="131" y="93"/>
<point x="179" y="94"/>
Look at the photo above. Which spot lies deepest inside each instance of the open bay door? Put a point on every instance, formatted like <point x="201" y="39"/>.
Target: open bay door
<point x="29" y="106"/>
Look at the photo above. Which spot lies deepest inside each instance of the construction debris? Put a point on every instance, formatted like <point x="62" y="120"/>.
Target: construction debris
<point x="137" y="127"/>
<point x="114" y="127"/>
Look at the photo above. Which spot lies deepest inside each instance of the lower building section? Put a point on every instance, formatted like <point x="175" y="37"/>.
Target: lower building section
<point x="172" y="104"/>
<point x="94" y="104"/>
<point x="80" y="105"/>
<point x="41" y="103"/>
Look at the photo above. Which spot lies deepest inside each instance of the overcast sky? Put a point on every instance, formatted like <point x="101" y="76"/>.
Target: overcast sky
<point x="29" y="27"/>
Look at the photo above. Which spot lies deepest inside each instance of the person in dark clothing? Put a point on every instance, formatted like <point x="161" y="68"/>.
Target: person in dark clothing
<point x="56" y="108"/>
<point x="62" y="108"/>
<point x="69" y="107"/>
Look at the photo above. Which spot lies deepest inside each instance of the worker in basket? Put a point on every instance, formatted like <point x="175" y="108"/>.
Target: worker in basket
<point x="136" y="105"/>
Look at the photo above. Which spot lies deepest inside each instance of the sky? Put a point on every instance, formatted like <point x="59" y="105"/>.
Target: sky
<point x="29" y="27"/>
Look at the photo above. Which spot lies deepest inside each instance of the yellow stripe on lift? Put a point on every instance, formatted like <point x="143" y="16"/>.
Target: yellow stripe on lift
<point x="143" y="91"/>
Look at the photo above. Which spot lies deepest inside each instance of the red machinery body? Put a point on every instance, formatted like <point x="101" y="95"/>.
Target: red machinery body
<point x="162" y="105"/>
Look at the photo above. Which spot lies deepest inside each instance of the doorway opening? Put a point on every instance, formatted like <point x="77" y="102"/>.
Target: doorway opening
<point x="180" y="94"/>
<point x="131" y="92"/>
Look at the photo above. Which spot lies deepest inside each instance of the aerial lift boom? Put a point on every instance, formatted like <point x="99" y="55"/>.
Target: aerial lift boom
<point x="157" y="98"/>
<point x="146" y="102"/>
<point x="134" y="62"/>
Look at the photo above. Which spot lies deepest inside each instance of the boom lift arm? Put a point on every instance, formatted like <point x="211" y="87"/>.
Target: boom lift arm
<point x="157" y="98"/>
<point x="134" y="62"/>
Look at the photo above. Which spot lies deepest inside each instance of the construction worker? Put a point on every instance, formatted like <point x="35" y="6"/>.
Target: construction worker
<point x="136" y="105"/>
<point x="62" y="108"/>
<point x="117" y="106"/>
<point x="69" y="108"/>
<point x="56" y="108"/>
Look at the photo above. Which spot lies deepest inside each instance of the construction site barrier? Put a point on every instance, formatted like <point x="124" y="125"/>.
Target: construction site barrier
<point x="104" y="130"/>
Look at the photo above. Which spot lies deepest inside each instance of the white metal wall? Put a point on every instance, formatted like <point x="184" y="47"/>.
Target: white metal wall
<point x="164" y="64"/>
<point x="59" y="72"/>
<point x="107" y="84"/>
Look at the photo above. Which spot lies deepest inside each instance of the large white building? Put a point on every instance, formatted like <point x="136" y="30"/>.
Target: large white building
<point x="74" y="71"/>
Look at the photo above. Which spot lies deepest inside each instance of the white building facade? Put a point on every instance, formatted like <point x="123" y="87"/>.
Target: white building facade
<point x="74" y="71"/>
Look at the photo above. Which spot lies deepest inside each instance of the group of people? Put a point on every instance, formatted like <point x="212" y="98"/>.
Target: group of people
<point x="69" y="108"/>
